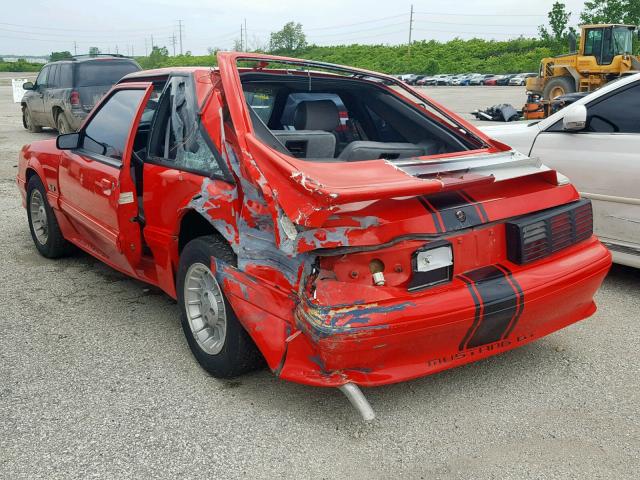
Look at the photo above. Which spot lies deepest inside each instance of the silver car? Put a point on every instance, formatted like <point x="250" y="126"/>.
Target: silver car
<point x="595" y="142"/>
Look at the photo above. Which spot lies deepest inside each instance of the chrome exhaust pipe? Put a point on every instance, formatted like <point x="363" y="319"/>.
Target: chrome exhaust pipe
<point x="358" y="400"/>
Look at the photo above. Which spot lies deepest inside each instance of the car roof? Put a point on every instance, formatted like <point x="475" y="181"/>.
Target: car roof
<point x="162" y="72"/>
<point x="85" y="59"/>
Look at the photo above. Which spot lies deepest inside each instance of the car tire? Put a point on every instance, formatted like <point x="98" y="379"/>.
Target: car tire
<point x="43" y="225"/>
<point x="215" y="336"/>
<point x="558" y="86"/>
<point x="28" y="123"/>
<point x="62" y="124"/>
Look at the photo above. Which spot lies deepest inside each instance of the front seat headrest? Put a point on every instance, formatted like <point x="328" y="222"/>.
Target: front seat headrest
<point x="316" y="115"/>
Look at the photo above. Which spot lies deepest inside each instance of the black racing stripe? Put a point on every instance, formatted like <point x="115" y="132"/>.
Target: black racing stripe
<point x="478" y="205"/>
<point x="425" y="203"/>
<point x="499" y="302"/>
<point x="520" y="294"/>
<point x="448" y="204"/>
<point x="477" y="314"/>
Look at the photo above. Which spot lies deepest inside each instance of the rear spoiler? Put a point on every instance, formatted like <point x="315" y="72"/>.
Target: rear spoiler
<point x="310" y="192"/>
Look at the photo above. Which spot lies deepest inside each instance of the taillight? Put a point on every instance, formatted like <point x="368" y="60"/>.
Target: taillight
<point x="536" y="236"/>
<point x="75" y="98"/>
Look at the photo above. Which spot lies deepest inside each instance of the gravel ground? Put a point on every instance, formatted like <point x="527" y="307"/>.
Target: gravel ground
<point x="96" y="380"/>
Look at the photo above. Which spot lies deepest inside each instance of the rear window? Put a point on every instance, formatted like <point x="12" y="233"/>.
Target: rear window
<point x="103" y="72"/>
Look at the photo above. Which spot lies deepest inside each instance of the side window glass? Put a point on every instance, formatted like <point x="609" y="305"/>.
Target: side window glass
<point x="107" y="132"/>
<point x="41" y="81"/>
<point x="52" y="81"/>
<point x="593" y="43"/>
<point x="178" y="139"/>
<point x="262" y="101"/>
<point x="64" y="76"/>
<point x="608" y="115"/>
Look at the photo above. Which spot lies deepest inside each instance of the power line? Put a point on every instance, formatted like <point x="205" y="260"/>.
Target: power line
<point x="92" y="30"/>
<point x="474" y="33"/>
<point x="376" y="35"/>
<point x="357" y="23"/>
<point x="66" y="36"/>
<point x="477" y="24"/>
<point x="457" y="14"/>
<point x="359" y="31"/>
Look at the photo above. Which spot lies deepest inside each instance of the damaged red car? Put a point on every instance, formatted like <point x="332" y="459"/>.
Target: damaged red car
<point x="329" y="221"/>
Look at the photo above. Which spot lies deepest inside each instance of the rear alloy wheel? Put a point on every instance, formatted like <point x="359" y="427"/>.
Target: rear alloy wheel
<point x="214" y="334"/>
<point x="558" y="86"/>
<point x="205" y="309"/>
<point x="62" y="124"/>
<point x="27" y="121"/>
<point x="43" y="225"/>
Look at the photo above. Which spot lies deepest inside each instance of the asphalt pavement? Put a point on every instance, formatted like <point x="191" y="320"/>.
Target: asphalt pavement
<point x="97" y="381"/>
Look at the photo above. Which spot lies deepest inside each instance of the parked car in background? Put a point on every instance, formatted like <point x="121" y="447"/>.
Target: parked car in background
<point x="492" y="80"/>
<point x="480" y="79"/>
<point x="426" y="80"/>
<point x="65" y="91"/>
<point x="443" y="79"/>
<point x="416" y="79"/>
<point x="503" y="80"/>
<point x="465" y="80"/>
<point x="411" y="247"/>
<point x="521" y="79"/>
<point x="436" y="79"/>
<point x="595" y="142"/>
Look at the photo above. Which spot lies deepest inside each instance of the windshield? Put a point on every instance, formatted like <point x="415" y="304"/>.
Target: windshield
<point x="622" y="40"/>
<point x="103" y="72"/>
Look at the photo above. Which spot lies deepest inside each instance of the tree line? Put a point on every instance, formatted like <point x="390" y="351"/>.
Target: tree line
<point x="424" y="57"/>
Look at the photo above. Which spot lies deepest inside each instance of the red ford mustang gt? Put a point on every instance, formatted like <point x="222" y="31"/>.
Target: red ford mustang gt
<point x="330" y="221"/>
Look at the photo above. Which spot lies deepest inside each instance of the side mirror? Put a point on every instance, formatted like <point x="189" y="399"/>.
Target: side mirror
<point x="575" y="118"/>
<point x="68" y="141"/>
<point x="27" y="86"/>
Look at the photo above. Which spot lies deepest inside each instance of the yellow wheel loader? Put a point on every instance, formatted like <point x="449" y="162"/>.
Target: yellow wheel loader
<point x="605" y="54"/>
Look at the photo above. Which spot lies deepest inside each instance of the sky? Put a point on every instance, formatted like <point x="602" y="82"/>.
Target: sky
<point x="39" y="27"/>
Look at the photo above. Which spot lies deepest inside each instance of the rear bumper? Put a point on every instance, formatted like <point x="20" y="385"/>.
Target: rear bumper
<point x="477" y="315"/>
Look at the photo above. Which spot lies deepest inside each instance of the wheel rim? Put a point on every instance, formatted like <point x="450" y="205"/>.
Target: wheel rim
<point x="205" y="308"/>
<point x="556" y="92"/>
<point x="39" y="220"/>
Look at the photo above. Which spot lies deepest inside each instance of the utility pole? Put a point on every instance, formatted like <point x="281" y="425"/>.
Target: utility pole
<point x="241" y="44"/>
<point x="246" y="38"/>
<point x="152" y="43"/>
<point x="132" y="54"/>
<point x="173" y="42"/>
<point x="75" y="48"/>
<point x="410" y="28"/>
<point x="180" y="33"/>
<point x="146" y="49"/>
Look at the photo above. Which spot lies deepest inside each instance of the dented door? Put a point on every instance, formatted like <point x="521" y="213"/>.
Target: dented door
<point x="96" y="188"/>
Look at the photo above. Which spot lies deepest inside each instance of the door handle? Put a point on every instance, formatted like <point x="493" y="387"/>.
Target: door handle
<point x="107" y="186"/>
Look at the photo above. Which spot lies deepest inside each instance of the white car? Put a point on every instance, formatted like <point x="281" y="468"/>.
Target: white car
<point x="596" y="143"/>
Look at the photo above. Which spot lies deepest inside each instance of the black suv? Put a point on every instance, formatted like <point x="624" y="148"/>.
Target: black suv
<point x="66" y="91"/>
